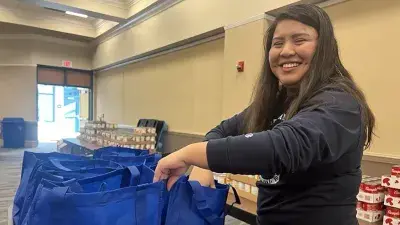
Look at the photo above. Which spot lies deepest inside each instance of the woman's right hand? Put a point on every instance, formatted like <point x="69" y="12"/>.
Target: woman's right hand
<point x="203" y="176"/>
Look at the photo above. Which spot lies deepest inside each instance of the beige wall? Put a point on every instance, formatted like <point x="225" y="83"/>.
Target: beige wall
<point x="367" y="32"/>
<point x="184" y="20"/>
<point x="18" y="59"/>
<point x="109" y="95"/>
<point x="29" y="49"/>
<point x="18" y="92"/>
<point x="182" y="88"/>
<point x="245" y="43"/>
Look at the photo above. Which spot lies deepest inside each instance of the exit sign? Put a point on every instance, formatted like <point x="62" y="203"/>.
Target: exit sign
<point x="66" y="63"/>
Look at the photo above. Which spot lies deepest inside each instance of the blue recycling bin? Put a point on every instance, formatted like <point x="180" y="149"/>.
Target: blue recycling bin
<point x="13" y="132"/>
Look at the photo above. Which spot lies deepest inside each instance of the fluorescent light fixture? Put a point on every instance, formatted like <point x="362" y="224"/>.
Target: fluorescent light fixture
<point x="76" y="14"/>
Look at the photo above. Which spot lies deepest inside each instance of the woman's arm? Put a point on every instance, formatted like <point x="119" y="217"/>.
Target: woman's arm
<point x="314" y="136"/>
<point x="229" y="127"/>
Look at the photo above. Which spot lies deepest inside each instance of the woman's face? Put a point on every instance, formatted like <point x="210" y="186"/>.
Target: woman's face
<point x="292" y="49"/>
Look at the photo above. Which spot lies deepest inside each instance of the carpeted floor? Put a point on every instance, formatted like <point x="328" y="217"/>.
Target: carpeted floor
<point x="10" y="168"/>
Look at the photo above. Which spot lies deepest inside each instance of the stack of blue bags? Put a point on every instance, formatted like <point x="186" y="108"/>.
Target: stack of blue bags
<point x="115" y="187"/>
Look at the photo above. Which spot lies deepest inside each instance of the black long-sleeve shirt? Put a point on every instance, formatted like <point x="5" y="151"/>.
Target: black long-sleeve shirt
<point x="309" y="165"/>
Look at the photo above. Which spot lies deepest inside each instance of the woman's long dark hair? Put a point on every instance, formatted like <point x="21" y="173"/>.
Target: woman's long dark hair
<point x="326" y="71"/>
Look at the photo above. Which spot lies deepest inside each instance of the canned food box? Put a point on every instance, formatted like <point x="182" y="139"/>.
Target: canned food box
<point x="370" y="216"/>
<point x="241" y="186"/>
<point x="387" y="220"/>
<point x="234" y="183"/>
<point x="254" y="190"/>
<point x="393" y="212"/>
<point x="394" y="192"/>
<point x="392" y="201"/>
<point x="247" y="188"/>
<point x="396" y="170"/>
<point x="372" y="206"/>
<point x="370" y="198"/>
<point x="391" y="181"/>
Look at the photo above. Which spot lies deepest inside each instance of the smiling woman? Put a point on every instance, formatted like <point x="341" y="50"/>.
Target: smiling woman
<point x="304" y="132"/>
<point x="292" y="50"/>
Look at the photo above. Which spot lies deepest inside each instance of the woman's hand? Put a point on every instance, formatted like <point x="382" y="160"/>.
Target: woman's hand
<point x="204" y="177"/>
<point x="176" y="164"/>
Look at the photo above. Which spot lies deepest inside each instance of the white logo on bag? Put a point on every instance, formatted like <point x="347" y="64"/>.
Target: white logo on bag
<point x="249" y="135"/>
<point x="273" y="180"/>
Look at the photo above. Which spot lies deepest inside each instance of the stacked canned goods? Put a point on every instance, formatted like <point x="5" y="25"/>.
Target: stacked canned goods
<point x="392" y="197"/>
<point x="371" y="195"/>
<point x="246" y="183"/>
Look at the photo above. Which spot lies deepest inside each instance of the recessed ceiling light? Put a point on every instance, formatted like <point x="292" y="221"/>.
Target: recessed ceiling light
<point x="76" y="14"/>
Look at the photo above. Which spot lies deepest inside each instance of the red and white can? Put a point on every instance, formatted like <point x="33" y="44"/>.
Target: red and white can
<point x="366" y="180"/>
<point x="372" y="187"/>
<point x="396" y="170"/>
<point x="394" y="192"/>
<point x="372" y="206"/>
<point x="393" y="212"/>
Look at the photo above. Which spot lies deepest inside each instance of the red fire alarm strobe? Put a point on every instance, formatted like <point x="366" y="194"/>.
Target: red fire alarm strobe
<point x="240" y="66"/>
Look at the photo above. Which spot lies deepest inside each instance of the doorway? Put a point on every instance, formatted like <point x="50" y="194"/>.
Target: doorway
<point x="64" y="102"/>
<point x="61" y="110"/>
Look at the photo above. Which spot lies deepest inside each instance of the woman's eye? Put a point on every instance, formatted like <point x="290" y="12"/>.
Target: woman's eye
<point x="300" y="41"/>
<point x="277" y="44"/>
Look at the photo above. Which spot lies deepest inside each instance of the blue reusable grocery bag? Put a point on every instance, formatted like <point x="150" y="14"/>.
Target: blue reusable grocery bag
<point x="79" y="174"/>
<point x="148" y="160"/>
<point x="71" y="165"/>
<point x="118" y="151"/>
<point x="191" y="203"/>
<point x="136" y="205"/>
<point x="31" y="162"/>
<point x="109" y="180"/>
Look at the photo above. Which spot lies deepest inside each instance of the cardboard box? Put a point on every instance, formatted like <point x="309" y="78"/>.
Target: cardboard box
<point x="370" y="198"/>
<point x="390" y="220"/>
<point x="391" y="181"/>
<point x="243" y="178"/>
<point x="370" y="216"/>
<point x="392" y="201"/>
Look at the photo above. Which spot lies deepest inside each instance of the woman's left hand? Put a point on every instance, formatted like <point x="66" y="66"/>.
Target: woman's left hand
<point x="176" y="164"/>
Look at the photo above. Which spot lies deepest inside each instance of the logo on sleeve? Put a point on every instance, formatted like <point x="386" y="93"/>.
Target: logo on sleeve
<point x="249" y="135"/>
<point x="273" y="180"/>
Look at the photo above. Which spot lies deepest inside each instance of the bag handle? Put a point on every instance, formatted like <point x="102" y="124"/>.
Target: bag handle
<point x="56" y="163"/>
<point x="237" y="200"/>
<point x="60" y="191"/>
<point x="73" y="185"/>
<point x="201" y="203"/>
<point x="132" y="178"/>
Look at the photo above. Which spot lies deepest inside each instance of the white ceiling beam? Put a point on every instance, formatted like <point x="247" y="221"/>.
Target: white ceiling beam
<point x="63" y="6"/>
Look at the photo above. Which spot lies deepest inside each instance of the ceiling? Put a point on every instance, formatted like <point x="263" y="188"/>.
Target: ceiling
<point x="49" y="17"/>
